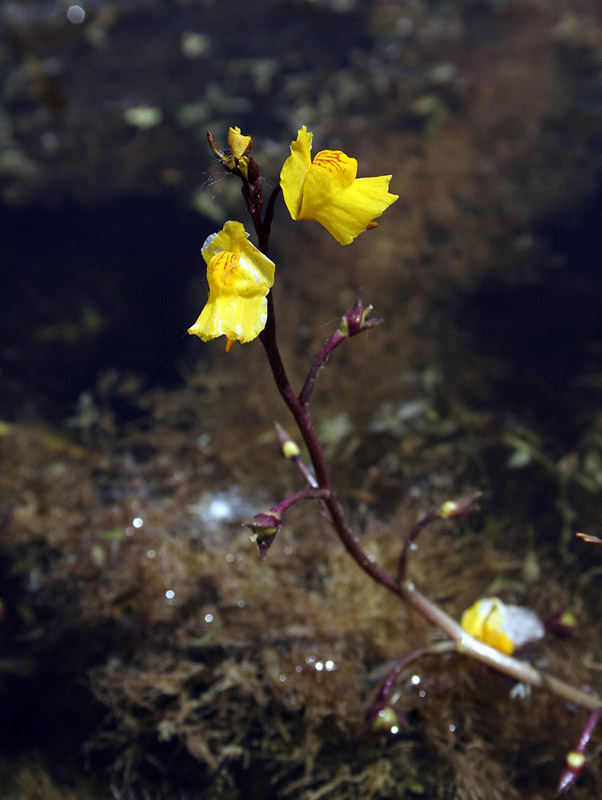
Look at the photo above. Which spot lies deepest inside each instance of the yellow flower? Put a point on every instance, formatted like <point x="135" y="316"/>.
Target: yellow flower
<point x="502" y="626"/>
<point x="328" y="191"/>
<point x="239" y="278"/>
<point x="238" y="143"/>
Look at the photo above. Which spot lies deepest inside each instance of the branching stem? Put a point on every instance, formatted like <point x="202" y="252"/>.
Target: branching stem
<point x="322" y="489"/>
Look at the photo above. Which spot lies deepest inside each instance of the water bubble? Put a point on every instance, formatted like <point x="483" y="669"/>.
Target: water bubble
<point x="76" y="14"/>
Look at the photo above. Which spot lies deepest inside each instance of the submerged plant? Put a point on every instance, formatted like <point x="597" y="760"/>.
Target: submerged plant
<point x="241" y="308"/>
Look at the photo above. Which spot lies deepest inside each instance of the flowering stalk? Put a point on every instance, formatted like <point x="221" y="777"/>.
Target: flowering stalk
<point x="355" y="321"/>
<point x="328" y="191"/>
<point x="575" y="760"/>
<point x="464" y="644"/>
<point x="267" y="524"/>
<point x="377" y="713"/>
<point x="449" y="510"/>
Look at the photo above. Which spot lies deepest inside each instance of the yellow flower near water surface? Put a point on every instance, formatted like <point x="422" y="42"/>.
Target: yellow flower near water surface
<point x="328" y="191"/>
<point x="502" y="626"/>
<point x="239" y="278"/>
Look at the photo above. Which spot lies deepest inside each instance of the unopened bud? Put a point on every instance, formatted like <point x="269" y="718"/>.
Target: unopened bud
<point x="387" y="719"/>
<point x="266" y="523"/>
<point x="217" y="152"/>
<point x="290" y="449"/>
<point x="357" y="318"/>
<point x="459" y="508"/>
<point x="265" y="527"/>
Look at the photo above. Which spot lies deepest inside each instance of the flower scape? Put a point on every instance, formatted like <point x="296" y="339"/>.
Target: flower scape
<point x="240" y="307"/>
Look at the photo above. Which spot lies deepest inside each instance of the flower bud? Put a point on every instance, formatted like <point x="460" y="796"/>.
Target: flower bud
<point x="460" y="507"/>
<point x="265" y="527"/>
<point x="356" y="319"/>
<point x="387" y="720"/>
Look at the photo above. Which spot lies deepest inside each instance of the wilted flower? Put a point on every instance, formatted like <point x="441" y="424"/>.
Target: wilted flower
<point x="239" y="143"/>
<point x="328" y="191"/>
<point x="502" y="626"/>
<point x="239" y="278"/>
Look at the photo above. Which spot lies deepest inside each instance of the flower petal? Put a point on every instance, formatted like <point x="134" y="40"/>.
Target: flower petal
<point x="238" y="142"/>
<point x="294" y="171"/>
<point x="331" y="173"/>
<point x="349" y="213"/>
<point x="240" y="318"/>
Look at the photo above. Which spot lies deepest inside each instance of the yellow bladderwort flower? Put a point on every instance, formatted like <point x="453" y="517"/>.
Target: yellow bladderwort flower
<point x="239" y="278"/>
<point x="502" y="626"/>
<point x="328" y="191"/>
<point x="240" y="147"/>
<point x="238" y="143"/>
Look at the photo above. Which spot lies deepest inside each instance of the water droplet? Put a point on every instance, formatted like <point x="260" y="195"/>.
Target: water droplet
<point x="208" y="617"/>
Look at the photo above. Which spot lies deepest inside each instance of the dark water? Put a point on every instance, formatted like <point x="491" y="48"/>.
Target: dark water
<point x="548" y="327"/>
<point x="96" y="288"/>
